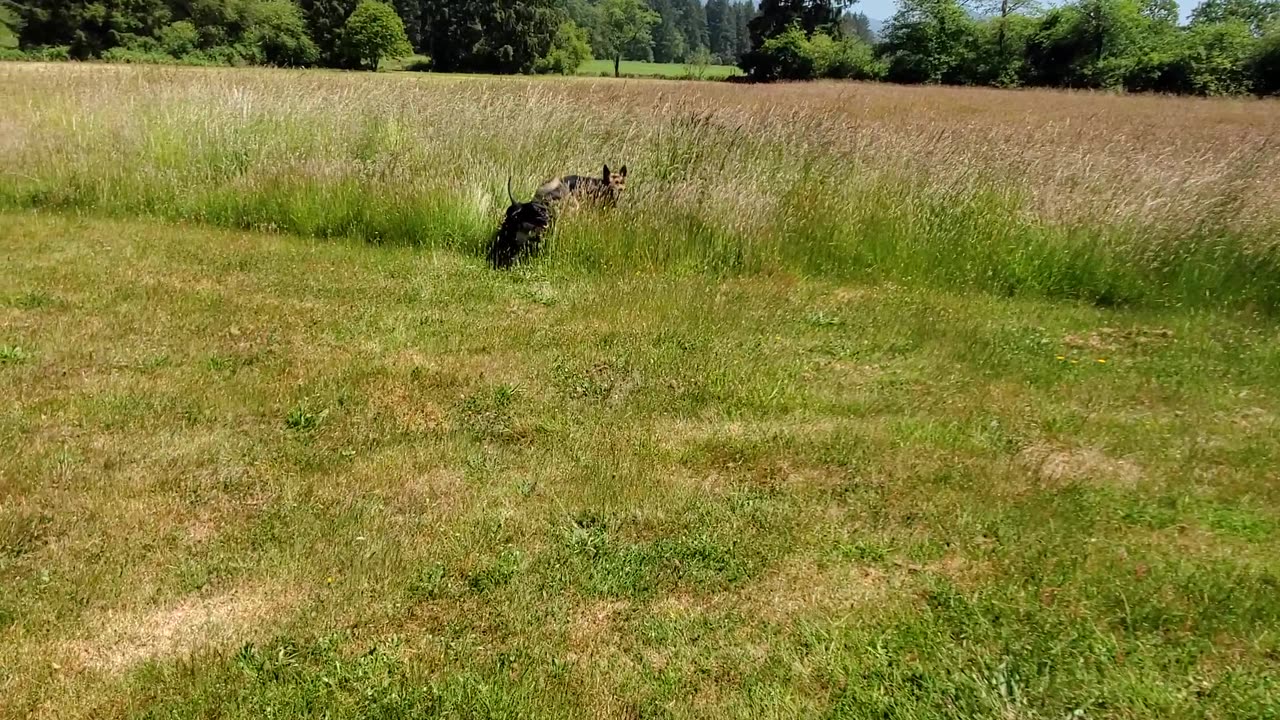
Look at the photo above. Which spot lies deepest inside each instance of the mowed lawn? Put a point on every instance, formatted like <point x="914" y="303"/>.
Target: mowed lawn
<point x="604" y="68"/>
<point x="636" y="68"/>
<point x="253" y="476"/>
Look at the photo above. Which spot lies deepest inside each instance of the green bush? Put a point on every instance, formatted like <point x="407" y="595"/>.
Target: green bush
<point x="930" y="41"/>
<point x="786" y="56"/>
<point x="421" y="63"/>
<point x="278" y="32"/>
<point x="695" y="66"/>
<point x="179" y="39"/>
<point x="51" y="53"/>
<point x="845" y="59"/>
<point x="794" y="56"/>
<point x="136" y="57"/>
<point x="213" y="57"/>
<point x="569" y="50"/>
<point x="1217" y="56"/>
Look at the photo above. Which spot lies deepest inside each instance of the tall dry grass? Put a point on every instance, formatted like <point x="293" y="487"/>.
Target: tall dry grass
<point x="1107" y="198"/>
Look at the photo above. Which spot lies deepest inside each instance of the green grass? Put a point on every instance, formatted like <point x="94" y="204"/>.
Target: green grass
<point x="636" y="68"/>
<point x="628" y="69"/>
<point x="866" y="402"/>
<point x="251" y="475"/>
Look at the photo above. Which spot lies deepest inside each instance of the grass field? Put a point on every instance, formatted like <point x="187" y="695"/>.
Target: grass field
<point x="1113" y="200"/>
<point x="628" y="68"/>
<point x="633" y="68"/>
<point x="831" y="418"/>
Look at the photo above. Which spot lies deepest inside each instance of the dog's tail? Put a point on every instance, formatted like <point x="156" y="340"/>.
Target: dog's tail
<point x="511" y="196"/>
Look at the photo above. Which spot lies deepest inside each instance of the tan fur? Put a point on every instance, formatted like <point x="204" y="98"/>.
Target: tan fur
<point x="574" y="188"/>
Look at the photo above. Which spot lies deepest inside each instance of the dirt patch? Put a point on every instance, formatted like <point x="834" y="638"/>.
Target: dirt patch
<point x="677" y="434"/>
<point x="591" y="627"/>
<point x="803" y="589"/>
<point x="1253" y="419"/>
<point x="1057" y="465"/>
<point x="405" y="408"/>
<point x="844" y="375"/>
<point x="122" y="639"/>
<point x="1108" y="338"/>
<point x="437" y="487"/>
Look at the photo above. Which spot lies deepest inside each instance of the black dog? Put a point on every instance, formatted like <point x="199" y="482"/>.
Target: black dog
<point x="520" y="235"/>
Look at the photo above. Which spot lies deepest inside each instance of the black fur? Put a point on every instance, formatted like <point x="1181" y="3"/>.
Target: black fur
<point x="520" y="235"/>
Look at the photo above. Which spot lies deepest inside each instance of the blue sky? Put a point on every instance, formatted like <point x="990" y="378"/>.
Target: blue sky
<point x="883" y="9"/>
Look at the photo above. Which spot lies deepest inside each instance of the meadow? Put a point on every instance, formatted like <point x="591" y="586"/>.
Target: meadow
<point x="635" y="68"/>
<point x="866" y="402"/>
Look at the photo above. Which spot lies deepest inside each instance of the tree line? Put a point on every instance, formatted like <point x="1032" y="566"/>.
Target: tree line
<point x="493" y="36"/>
<point x="1228" y="47"/>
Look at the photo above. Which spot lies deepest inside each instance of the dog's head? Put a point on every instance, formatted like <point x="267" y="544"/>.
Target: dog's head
<point x="616" y="182"/>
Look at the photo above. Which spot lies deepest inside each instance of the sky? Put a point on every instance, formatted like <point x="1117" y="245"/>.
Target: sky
<point x="883" y="9"/>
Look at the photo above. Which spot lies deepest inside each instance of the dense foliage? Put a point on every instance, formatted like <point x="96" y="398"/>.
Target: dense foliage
<point x="1228" y="46"/>
<point x="495" y="36"/>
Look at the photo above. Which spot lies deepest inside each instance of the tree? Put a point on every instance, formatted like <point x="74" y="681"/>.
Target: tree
<point x="845" y="58"/>
<point x="1007" y="55"/>
<point x="1264" y="65"/>
<point x="373" y="32"/>
<point x="410" y="12"/>
<point x="785" y="56"/>
<point x="490" y="36"/>
<point x="10" y="26"/>
<point x="1162" y="13"/>
<point x="1217" y="58"/>
<point x="669" y="44"/>
<point x="1257" y="14"/>
<point x="857" y="25"/>
<point x="1058" y="51"/>
<point x="588" y="16"/>
<point x="326" y="18"/>
<point x="1097" y="43"/>
<point x="628" y="28"/>
<point x="744" y="12"/>
<point x="721" y="31"/>
<point x="90" y="28"/>
<point x="693" y="23"/>
<point x="279" y="32"/>
<point x="179" y="39"/>
<point x="777" y="17"/>
<point x="930" y="41"/>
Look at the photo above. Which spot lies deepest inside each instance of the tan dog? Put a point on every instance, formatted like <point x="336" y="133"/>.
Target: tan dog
<point x="603" y="190"/>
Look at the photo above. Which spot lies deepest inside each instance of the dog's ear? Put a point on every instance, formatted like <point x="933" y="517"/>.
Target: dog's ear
<point x="606" y="173"/>
<point x="623" y="171"/>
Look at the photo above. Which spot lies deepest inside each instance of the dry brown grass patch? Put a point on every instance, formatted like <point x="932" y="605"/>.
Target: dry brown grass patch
<point x="1056" y="465"/>
<point x="406" y="408"/>
<point x="803" y="589"/>
<point x="1109" y="338"/>
<point x="593" y="629"/>
<point x="120" y="639"/>
<point x="679" y="434"/>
